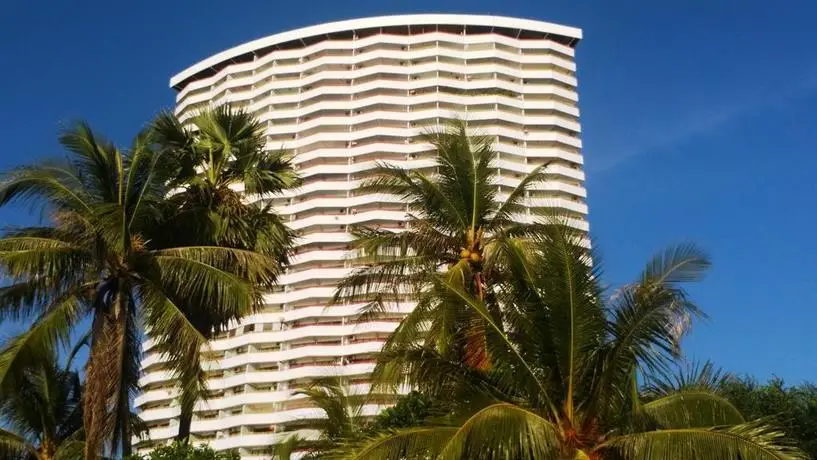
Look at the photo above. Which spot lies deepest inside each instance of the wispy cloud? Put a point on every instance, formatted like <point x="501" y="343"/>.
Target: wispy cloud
<point x="705" y="122"/>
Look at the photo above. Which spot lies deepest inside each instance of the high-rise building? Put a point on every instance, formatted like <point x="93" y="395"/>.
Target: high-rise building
<point x="341" y="97"/>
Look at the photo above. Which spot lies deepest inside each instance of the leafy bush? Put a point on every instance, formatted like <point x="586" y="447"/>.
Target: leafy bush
<point x="185" y="451"/>
<point x="793" y="408"/>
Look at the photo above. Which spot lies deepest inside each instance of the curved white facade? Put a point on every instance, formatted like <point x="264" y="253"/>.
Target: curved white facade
<point x="343" y="96"/>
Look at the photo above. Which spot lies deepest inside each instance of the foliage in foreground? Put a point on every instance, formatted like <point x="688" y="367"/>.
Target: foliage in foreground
<point x="185" y="451"/>
<point x="793" y="408"/>
<point x="219" y="149"/>
<point x="411" y="410"/>
<point x="344" y="422"/>
<point x="566" y="361"/>
<point x="457" y="222"/>
<point x="96" y="258"/>
<point x="42" y="414"/>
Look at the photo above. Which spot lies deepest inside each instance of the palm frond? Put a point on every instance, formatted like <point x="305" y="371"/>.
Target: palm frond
<point x="284" y="449"/>
<point x="394" y="278"/>
<point x="504" y="346"/>
<point x="48" y="259"/>
<point x="170" y="137"/>
<point x="342" y="408"/>
<point x="49" y="331"/>
<point x="99" y="164"/>
<point x="566" y="281"/>
<point x="182" y="336"/>
<point x="405" y="444"/>
<point x="464" y="171"/>
<point x="502" y="431"/>
<point x="70" y="450"/>
<point x="51" y="183"/>
<point x="686" y="377"/>
<point x="84" y="341"/>
<point x="415" y="190"/>
<point x="146" y="186"/>
<point x="267" y="173"/>
<point x="648" y="320"/>
<point x="13" y="446"/>
<point x="250" y="266"/>
<point x="21" y="300"/>
<point x="40" y="409"/>
<point x="201" y="277"/>
<point x="677" y="264"/>
<point x="513" y="204"/>
<point x="437" y="375"/>
<point x="748" y="441"/>
<point x="692" y="408"/>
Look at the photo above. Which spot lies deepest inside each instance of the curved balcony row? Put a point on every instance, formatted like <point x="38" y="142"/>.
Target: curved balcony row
<point x="286" y="335"/>
<point x="413" y="149"/>
<point x="304" y="95"/>
<point x="278" y="57"/>
<point x="250" y="440"/>
<point x="504" y="166"/>
<point x="425" y="119"/>
<point x="352" y="184"/>
<point x="505" y="66"/>
<point x="225" y="402"/>
<point x="300" y="352"/>
<point x="347" y="59"/>
<point x="330" y="311"/>
<point x="504" y="103"/>
<point x="412" y="133"/>
<point x="352" y="202"/>
<point x="365" y="216"/>
<point x="281" y="375"/>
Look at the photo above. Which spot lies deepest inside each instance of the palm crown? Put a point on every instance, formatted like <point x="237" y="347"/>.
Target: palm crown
<point x="220" y="162"/>
<point x="457" y="222"/>
<point x="100" y="256"/>
<point x="566" y="367"/>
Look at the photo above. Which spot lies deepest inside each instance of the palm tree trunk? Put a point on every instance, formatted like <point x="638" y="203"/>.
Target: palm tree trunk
<point x="126" y="438"/>
<point x="193" y="387"/>
<point x="104" y="375"/>
<point x="476" y="354"/>
<point x="185" y="420"/>
<point x="95" y="385"/>
<point x="187" y="404"/>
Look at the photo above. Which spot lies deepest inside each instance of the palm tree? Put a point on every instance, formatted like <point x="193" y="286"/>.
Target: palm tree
<point x="565" y="370"/>
<point x="222" y="172"/>
<point x="96" y="258"/>
<point x="344" y="419"/>
<point x="42" y="410"/>
<point x="283" y="450"/>
<point x="457" y="223"/>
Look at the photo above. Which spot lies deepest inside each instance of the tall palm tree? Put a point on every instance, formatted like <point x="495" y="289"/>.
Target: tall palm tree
<point x="457" y="223"/>
<point x="96" y="257"/>
<point x="42" y="409"/>
<point x="566" y="367"/>
<point x="222" y="173"/>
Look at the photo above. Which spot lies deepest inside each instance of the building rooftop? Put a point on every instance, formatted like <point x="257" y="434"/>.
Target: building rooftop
<point x="397" y="25"/>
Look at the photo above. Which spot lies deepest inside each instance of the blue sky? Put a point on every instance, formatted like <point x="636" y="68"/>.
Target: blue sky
<point x="699" y="119"/>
